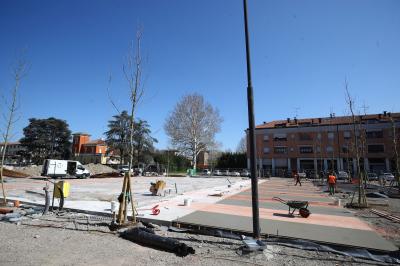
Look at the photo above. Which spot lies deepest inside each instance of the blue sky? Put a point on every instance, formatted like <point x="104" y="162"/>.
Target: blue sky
<point x="301" y="53"/>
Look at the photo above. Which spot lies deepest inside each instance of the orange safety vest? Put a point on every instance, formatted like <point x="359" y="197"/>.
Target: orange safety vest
<point x="331" y="179"/>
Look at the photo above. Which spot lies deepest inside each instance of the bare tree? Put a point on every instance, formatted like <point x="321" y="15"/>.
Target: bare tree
<point x="395" y="139"/>
<point x="362" y="200"/>
<point x="133" y="73"/>
<point x="242" y="146"/>
<point x="192" y="126"/>
<point x="19" y="72"/>
<point x="132" y="70"/>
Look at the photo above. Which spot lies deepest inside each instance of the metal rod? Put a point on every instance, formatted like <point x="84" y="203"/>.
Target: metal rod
<point x="252" y="144"/>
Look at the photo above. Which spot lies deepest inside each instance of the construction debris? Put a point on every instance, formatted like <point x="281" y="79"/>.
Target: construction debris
<point x="5" y="210"/>
<point x="157" y="188"/>
<point x="145" y="236"/>
<point x="95" y="169"/>
<point x="107" y="175"/>
<point x="12" y="173"/>
<point x="386" y="215"/>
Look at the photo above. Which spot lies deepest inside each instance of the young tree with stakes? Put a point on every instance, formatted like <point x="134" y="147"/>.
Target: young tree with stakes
<point x="362" y="200"/>
<point x="19" y="72"/>
<point x="132" y="71"/>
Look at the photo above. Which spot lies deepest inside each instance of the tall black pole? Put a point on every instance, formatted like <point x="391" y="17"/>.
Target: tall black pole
<point x="254" y="180"/>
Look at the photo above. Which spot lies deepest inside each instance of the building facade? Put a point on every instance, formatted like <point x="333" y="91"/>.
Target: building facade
<point x="88" y="151"/>
<point x="330" y="143"/>
<point x="14" y="153"/>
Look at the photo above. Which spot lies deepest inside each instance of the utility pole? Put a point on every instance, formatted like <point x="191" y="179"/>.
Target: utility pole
<point x="250" y="103"/>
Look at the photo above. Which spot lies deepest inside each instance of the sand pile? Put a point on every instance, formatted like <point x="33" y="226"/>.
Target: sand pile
<point x="95" y="169"/>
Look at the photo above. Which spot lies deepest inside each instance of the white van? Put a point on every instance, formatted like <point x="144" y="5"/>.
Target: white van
<point x="62" y="168"/>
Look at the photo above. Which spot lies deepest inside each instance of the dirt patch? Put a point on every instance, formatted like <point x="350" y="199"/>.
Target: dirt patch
<point x="388" y="229"/>
<point x="95" y="169"/>
<point x="63" y="240"/>
<point x="12" y="173"/>
<point x="31" y="170"/>
<point x="107" y="175"/>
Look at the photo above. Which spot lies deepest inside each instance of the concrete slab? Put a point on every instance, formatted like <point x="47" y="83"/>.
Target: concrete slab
<point x="328" y="223"/>
<point x="279" y="206"/>
<point x="323" y="234"/>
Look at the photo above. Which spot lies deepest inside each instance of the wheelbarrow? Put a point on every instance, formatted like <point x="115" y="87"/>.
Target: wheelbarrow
<point x="295" y="205"/>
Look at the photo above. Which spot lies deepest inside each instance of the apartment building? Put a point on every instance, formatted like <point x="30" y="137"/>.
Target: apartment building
<point x="323" y="144"/>
<point x="88" y="151"/>
<point x="14" y="152"/>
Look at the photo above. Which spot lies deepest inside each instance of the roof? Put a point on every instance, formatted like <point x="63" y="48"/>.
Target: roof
<point x="327" y="121"/>
<point x="11" y="143"/>
<point x="81" y="133"/>
<point x="95" y="142"/>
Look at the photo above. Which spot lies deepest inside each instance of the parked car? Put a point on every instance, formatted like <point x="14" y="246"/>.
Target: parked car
<point x="302" y="174"/>
<point x="234" y="173"/>
<point x="205" y="172"/>
<point x="225" y="172"/>
<point x="245" y="173"/>
<point x="386" y="177"/>
<point x="217" y="172"/>
<point x="372" y="177"/>
<point x="343" y="175"/>
<point x="122" y="168"/>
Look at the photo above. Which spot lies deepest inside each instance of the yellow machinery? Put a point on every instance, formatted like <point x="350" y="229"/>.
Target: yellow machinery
<point x="157" y="188"/>
<point x="61" y="189"/>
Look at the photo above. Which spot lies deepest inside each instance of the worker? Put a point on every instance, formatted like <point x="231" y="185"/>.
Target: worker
<point x="297" y="178"/>
<point x="332" y="183"/>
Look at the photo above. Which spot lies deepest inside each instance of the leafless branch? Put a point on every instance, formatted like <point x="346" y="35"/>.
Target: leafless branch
<point x="109" y="95"/>
<point x="19" y="72"/>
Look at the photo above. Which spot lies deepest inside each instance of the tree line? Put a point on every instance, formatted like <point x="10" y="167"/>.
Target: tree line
<point x="51" y="138"/>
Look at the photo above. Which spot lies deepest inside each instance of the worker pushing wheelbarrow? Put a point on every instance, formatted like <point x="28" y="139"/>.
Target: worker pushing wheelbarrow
<point x="295" y="205"/>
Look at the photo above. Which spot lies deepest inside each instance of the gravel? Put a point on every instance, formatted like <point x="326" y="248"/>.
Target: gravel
<point x="32" y="170"/>
<point x="95" y="169"/>
<point x="67" y="240"/>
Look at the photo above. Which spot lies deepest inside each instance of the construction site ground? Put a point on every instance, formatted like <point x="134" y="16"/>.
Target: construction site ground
<point x="62" y="240"/>
<point x="53" y="239"/>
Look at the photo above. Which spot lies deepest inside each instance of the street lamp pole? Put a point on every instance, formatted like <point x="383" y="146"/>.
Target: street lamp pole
<point x="250" y="103"/>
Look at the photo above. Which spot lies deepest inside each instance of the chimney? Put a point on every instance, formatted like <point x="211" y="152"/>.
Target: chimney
<point x="384" y="113"/>
<point x="320" y="120"/>
<point x="295" y="120"/>
<point x="288" y="120"/>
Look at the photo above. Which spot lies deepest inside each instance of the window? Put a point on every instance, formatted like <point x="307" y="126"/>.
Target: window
<point x="318" y="149"/>
<point x="376" y="148"/>
<point x="331" y="135"/>
<point x="345" y="149"/>
<point x="280" y="150"/>
<point x="329" y="149"/>
<point x="266" y="150"/>
<point x="280" y="137"/>
<point x="346" y="135"/>
<point x="319" y="136"/>
<point x="266" y="137"/>
<point x="374" y="134"/>
<point x="306" y="149"/>
<point x="304" y="136"/>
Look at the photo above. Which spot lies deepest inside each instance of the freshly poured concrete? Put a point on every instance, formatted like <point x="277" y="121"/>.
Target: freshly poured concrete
<point x="328" y="223"/>
<point x="324" y="234"/>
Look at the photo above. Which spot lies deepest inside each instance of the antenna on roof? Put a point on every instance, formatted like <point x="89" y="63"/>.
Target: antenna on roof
<point x="296" y="111"/>
<point x="365" y="108"/>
